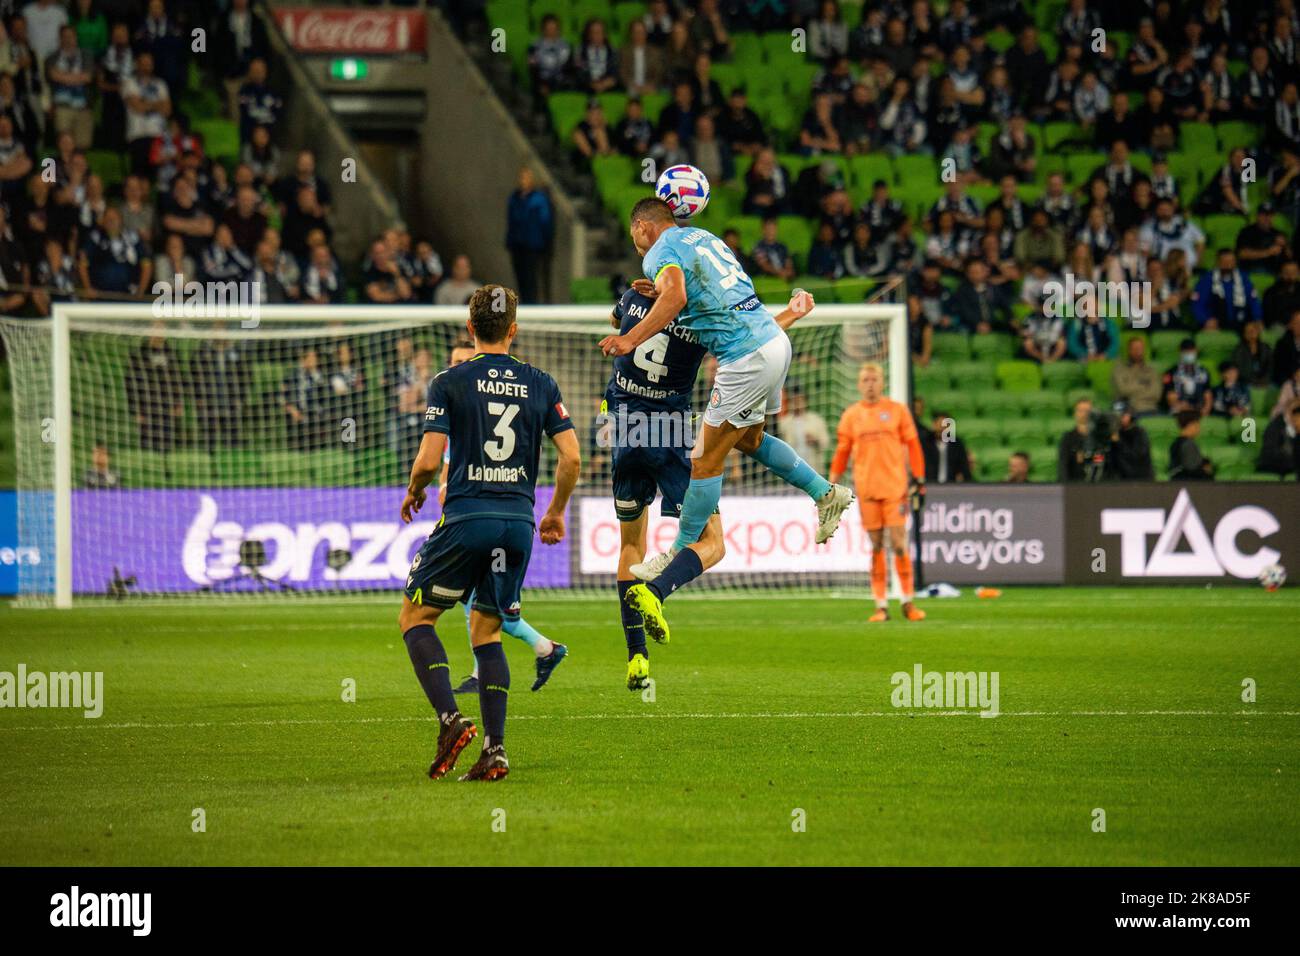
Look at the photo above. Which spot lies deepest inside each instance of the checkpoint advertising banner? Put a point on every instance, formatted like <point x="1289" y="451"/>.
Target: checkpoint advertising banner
<point x="1180" y="532"/>
<point x="970" y="534"/>
<point x="171" y="540"/>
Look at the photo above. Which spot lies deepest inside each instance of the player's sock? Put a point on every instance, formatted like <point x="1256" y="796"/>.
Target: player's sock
<point x="430" y="661"/>
<point x="903" y="568"/>
<point x="698" y="504"/>
<point x="633" y="624"/>
<point x="468" y="635"/>
<point x="879" y="578"/>
<point x="522" y="630"/>
<point x="780" y="459"/>
<point x="493" y="690"/>
<point x="681" y="570"/>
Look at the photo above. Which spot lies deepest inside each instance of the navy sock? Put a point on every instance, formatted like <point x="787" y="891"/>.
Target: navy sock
<point x="682" y="570"/>
<point x="633" y="626"/>
<point x="430" y="661"/>
<point x="493" y="690"/>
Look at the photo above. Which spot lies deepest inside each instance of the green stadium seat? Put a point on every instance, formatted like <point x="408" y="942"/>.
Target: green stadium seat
<point x="957" y="403"/>
<point x="1062" y="376"/>
<point x="220" y="139"/>
<point x="771" y="290"/>
<point x="1164" y="344"/>
<point x="950" y="346"/>
<point x="1046" y="403"/>
<point x="1000" y="40"/>
<point x="1162" y="430"/>
<point x="1019" y="375"/>
<point x="992" y="346"/>
<point x="654" y="104"/>
<point x="239" y="468"/>
<point x="1081" y="166"/>
<point x="1057" y="135"/>
<point x="865" y="170"/>
<point x="1214" y="430"/>
<point x="1216" y="345"/>
<point x="1075" y="395"/>
<point x="1048" y="164"/>
<point x="1028" y="433"/>
<point x="1199" y="139"/>
<point x="1235" y="428"/>
<point x="913" y="169"/>
<point x="1262" y="400"/>
<point x="1234" y="133"/>
<point x="928" y="379"/>
<point x="982" y="429"/>
<point x="746" y="51"/>
<point x="333" y="468"/>
<point x="998" y="404"/>
<point x="614" y="104"/>
<point x="560" y="8"/>
<point x="379" y="467"/>
<point x="976" y="375"/>
<point x="796" y="233"/>
<point x="287" y="469"/>
<point x="1221" y="231"/>
<point x="138" y="468"/>
<point x="991" y="461"/>
<point x="1042" y="466"/>
<point x="623" y="14"/>
<point x="1098" y="375"/>
<point x="852" y="291"/>
<point x="190" y="469"/>
<point x="567" y="110"/>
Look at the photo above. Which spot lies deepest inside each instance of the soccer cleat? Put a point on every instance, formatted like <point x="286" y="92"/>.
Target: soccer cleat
<point x="642" y="600"/>
<point x="546" y="665"/>
<point x="650" y="569"/>
<point x="912" y="612"/>
<point x="879" y="617"/>
<point x="830" y="507"/>
<point x="454" y="737"/>
<point x="468" y="686"/>
<point x="638" y="672"/>
<point x="491" y="765"/>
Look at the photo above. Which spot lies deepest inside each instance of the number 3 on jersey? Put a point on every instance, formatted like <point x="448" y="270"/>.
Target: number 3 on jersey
<point x="650" y="355"/>
<point x="504" y="445"/>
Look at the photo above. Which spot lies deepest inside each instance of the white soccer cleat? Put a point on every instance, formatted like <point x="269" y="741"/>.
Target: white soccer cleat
<point x="650" y="569"/>
<point x="830" y="507"/>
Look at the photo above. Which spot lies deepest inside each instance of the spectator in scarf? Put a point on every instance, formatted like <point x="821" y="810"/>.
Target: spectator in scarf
<point x="1224" y="297"/>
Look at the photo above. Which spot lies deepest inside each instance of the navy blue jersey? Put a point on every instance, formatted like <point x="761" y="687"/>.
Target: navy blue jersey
<point x="495" y="410"/>
<point x="660" y="373"/>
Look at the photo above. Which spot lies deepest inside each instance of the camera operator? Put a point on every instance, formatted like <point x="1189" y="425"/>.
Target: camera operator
<point x="1082" y="453"/>
<point x="1130" y="446"/>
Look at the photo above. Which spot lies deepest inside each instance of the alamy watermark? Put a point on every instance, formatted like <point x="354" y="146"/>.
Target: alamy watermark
<point x="210" y="300"/>
<point x="1083" y="297"/>
<point x="623" y="428"/>
<point x="946" y="690"/>
<point x="80" y="690"/>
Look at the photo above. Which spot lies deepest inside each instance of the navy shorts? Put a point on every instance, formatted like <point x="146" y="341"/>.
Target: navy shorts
<point x="640" y="471"/>
<point x="488" y="556"/>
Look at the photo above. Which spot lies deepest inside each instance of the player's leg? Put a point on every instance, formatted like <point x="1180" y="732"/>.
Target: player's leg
<point x="776" y="455"/>
<point x="469" y="685"/>
<point x="873" y="523"/>
<point x="503" y="551"/>
<point x="685" y="566"/>
<point x="547" y="654"/>
<point x="632" y="545"/>
<point x="438" y="578"/>
<point x="897" y="530"/>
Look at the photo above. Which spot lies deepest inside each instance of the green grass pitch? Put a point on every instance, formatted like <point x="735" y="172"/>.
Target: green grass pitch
<point x="1125" y="700"/>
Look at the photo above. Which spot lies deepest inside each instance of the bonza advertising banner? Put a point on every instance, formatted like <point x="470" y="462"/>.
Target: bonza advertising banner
<point x="1180" y="532"/>
<point x="318" y="538"/>
<point x="970" y="534"/>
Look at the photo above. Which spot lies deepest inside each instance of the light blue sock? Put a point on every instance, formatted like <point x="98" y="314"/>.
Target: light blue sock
<point x="524" y="631"/>
<point x="698" y="504"/>
<point x="780" y="459"/>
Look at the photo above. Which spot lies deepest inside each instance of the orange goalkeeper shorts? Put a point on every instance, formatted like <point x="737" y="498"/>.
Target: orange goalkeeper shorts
<point x="883" y="512"/>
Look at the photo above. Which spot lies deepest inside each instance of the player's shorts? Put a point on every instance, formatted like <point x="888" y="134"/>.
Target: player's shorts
<point x="638" y="472"/>
<point x="883" y="512"/>
<point x="486" y="555"/>
<point x="749" y="389"/>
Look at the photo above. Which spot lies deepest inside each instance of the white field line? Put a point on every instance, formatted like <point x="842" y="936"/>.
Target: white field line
<point x="648" y="715"/>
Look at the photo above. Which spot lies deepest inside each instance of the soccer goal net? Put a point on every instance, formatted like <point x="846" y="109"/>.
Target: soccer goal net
<point x="190" y="456"/>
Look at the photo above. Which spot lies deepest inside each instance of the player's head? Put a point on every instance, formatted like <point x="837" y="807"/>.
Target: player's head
<point x="650" y="217"/>
<point x="461" y="352"/>
<point x="871" y="381"/>
<point x="492" y="315"/>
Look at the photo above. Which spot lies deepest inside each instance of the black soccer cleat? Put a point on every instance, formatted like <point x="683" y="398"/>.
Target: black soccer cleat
<point x="468" y="686"/>
<point x="491" y="765"/>
<point x="455" y="736"/>
<point x="546" y="665"/>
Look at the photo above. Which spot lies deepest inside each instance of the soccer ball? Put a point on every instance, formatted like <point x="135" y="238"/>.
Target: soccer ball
<point x="1272" y="577"/>
<point x="685" y="189"/>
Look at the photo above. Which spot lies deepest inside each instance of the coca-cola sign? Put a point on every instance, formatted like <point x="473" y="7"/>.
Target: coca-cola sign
<point x="339" y="30"/>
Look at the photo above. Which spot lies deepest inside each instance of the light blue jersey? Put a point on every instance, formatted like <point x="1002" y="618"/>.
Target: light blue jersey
<point x="721" y="307"/>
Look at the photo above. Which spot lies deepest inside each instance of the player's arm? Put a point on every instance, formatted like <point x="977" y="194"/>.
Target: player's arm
<point x="567" y="470"/>
<point x="427" y="462"/>
<point x="843" y="446"/>
<point x="670" y="299"/>
<point x="801" y="303"/>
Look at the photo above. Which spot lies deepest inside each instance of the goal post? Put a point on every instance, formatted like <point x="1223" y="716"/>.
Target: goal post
<point x="174" y="455"/>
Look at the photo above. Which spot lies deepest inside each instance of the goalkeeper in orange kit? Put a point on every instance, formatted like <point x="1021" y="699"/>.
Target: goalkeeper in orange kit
<point x="879" y="436"/>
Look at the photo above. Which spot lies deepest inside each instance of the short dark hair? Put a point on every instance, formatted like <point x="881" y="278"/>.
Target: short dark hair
<point x="1021" y="454"/>
<point x="1187" y="416"/>
<point x="492" y="312"/>
<point x="462" y="343"/>
<point x="653" y="209"/>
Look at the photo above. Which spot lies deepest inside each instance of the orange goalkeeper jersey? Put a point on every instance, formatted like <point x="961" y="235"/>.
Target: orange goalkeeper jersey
<point x="881" y="441"/>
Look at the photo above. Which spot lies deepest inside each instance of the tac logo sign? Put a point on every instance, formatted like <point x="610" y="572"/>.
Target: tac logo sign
<point x="1169" y="533"/>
